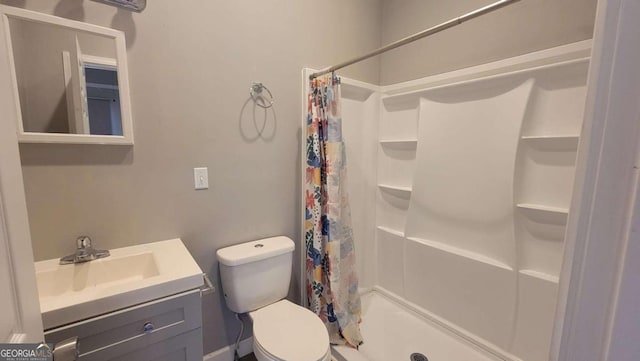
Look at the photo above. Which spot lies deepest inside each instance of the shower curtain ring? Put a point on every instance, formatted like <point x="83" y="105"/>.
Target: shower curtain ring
<point x="256" y="93"/>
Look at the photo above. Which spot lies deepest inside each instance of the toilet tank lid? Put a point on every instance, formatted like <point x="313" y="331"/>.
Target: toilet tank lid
<point x="255" y="250"/>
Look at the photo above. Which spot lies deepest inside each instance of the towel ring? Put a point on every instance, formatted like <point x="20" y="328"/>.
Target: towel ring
<point x="256" y="92"/>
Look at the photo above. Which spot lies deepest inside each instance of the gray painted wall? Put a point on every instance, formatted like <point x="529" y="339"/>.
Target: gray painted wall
<point x="520" y="28"/>
<point x="191" y="64"/>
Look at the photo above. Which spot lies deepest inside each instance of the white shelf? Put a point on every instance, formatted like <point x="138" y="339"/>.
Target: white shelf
<point x="543" y="208"/>
<point x="398" y="141"/>
<point x="551" y="137"/>
<point x="400" y="144"/>
<point x="545" y="214"/>
<point x="540" y="275"/>
<point x="395" y="189"/>
<point x="556" y="142"/>
<point x="474" y="256"/>
<point x="395" y="232"/>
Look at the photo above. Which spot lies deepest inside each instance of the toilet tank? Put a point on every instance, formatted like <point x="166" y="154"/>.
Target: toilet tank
<point x="257" y="273"/>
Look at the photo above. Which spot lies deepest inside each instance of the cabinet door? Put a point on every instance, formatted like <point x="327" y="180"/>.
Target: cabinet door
<point x="120" y="333"/>
<point x="184" y="347"/>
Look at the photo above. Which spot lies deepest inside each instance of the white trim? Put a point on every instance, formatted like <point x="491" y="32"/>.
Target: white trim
<point x="540" y="58"/>
<point x="430" y="86"/>
<point x="625" y="320"/>
<point x="598" y="226"/>
<point x="55" y="138"/>
<point x="108" y="63"/>
<point x="14" y="214"/>
<point x="69" y="93"/>
<point x="55" y="20"/>
<point x="226" y="353"/>
<point x="303" y="166"/>
<point x="12" y="71"/>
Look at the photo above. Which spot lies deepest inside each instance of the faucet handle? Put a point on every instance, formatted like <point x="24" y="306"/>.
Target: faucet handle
<point x="83" y="242"/>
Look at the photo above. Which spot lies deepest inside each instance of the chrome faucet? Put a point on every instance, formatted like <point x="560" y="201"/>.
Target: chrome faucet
<point x="84" y="252"/>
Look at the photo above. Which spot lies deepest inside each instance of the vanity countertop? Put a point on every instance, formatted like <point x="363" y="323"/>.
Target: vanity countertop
<point x="130" y="276"/>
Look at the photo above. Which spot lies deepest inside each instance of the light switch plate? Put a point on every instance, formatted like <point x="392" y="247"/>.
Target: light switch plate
<point x="201" y="178"/>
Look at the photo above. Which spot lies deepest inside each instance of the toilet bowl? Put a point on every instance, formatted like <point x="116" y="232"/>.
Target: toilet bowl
<point x="255" y="279"/>
<point x="286" y="331"/>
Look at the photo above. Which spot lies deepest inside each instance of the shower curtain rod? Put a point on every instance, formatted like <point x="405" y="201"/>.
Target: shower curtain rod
<point x="424" y="33"/>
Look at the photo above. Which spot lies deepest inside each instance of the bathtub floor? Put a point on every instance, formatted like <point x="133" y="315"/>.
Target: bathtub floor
<point x="393" y="333"/>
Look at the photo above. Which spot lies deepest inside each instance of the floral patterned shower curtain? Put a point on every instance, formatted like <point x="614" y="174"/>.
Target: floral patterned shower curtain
<point x="332" y="283"/>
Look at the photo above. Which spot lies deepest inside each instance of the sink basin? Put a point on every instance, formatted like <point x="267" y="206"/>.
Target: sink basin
<point x="131" y="275"/>
<point x="105" y="272"/>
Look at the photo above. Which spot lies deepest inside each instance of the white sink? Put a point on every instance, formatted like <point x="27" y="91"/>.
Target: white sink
<point x="131" y="275"/>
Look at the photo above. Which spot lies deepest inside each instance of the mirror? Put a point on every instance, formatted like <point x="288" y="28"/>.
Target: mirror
<point x="70" y="79"/>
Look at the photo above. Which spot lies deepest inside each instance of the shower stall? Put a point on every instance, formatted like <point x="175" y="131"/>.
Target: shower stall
<point x="460" y="187"/>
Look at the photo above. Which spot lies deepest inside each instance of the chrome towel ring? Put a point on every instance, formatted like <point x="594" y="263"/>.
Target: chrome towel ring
<point x="256" y="93"/>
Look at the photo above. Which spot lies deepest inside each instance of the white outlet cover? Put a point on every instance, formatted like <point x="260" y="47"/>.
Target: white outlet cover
<point x="201" y="178"/>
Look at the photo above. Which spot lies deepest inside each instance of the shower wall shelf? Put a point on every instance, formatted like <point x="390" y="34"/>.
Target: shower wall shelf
<point x="543" y="208"/>
<point x="395" y="232"/>
<point x="393" y="142"/>
<point x="468" y="254"/>
<point x="540" y="275"/>
<point x="551" y="137"/>
<point x="556" y="142"/>
<point x="392" y="208"/>
<point x="395" y="189"/>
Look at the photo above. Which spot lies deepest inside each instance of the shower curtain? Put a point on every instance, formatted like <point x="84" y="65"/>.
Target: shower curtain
<point x="331" y="280"/>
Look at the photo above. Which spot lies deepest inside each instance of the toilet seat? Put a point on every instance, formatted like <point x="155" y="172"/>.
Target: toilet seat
<point x="288" y="332"/>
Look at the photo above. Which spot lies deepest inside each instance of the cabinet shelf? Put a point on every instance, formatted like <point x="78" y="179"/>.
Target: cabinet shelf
<point x="553" y="142"/>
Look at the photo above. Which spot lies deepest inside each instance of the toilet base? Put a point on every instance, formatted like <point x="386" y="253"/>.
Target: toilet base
<point x="263" y="355"/>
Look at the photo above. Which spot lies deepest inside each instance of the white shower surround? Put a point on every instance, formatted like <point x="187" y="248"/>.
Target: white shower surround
<point x="493" y="283"/>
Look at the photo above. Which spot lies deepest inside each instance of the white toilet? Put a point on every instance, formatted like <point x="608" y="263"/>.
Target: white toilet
<point x="255" y="279"/>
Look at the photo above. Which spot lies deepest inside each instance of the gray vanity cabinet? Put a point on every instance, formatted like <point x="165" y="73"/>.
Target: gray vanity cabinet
<point x="167" y="329"/>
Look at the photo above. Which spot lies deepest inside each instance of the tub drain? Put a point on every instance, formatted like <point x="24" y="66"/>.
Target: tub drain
<point x="418" y="357"/>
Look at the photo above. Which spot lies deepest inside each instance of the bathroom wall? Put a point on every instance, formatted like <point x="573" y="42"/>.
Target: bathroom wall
<point x="518" y="29"/>
<point x="191" y="64"/>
